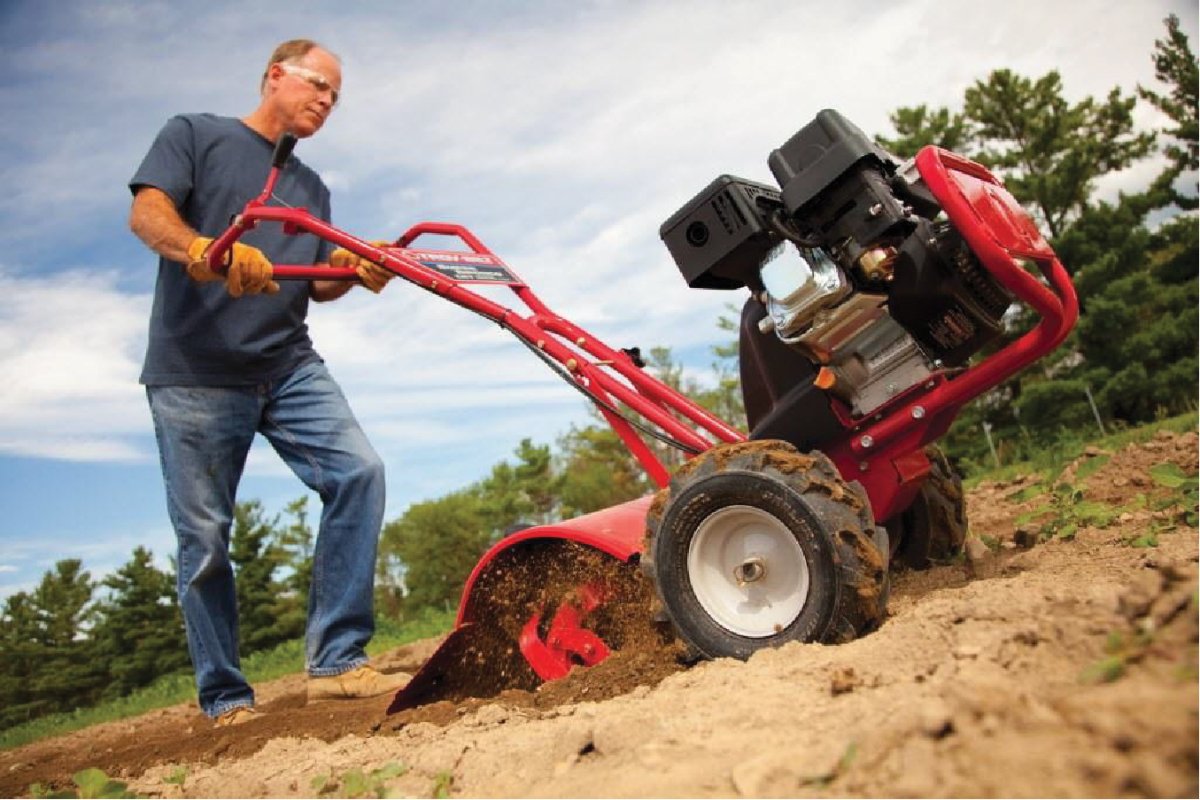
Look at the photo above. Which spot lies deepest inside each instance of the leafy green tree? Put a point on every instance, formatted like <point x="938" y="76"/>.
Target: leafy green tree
<point x="140" y="634"/>
<point x="439" y="542"/>
<point x="597" y="470"/>
<point x="1049" y="150"/>
<point x="724" y="397"/>
<point x="1151" y="368"/>
<point x="525" y="492"/>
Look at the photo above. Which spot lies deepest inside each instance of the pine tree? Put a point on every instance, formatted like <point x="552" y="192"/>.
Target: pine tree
<point x="294" y="545"/>
<point x="1051" y="151"/>
<point x="68" y="675"/>
<point x="140" y="635"/>
<point x="1176" y="66"/>
<point x="20" y="661"/>
<point x="918" y="126"/>
<point x="255" y="559"/>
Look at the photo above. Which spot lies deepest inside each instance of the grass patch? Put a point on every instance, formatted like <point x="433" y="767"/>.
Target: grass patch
<point x="1050" y="462"/>
<point x="265" y="665"/>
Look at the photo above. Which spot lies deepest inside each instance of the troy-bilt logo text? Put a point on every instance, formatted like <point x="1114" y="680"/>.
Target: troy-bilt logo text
<point x="466" y="267"/>
<point x="449" y="257"/>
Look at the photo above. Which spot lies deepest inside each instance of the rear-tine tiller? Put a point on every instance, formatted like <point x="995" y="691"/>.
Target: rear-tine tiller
<point x="872" y="283"/>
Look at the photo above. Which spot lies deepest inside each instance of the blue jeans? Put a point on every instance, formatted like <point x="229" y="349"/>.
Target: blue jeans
<point x="204" y="434"/>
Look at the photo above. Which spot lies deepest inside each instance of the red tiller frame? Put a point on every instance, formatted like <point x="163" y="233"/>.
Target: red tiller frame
<point x="597" y="368"/>
<point x="883" y="451"/>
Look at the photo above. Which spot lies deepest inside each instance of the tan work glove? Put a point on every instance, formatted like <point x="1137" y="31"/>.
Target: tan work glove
<point x="373" y="276"/>
<point x="249" y="270"/>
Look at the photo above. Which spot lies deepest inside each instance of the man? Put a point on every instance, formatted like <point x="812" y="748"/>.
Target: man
<point x="229" y="355"/>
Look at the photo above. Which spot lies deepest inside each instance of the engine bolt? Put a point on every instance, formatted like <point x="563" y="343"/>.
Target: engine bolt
<point x="918" y="412"/>
<point x="866" y="441"/>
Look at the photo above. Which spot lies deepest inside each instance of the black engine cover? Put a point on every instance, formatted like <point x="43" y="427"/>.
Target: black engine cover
<point x="943" y="297"/>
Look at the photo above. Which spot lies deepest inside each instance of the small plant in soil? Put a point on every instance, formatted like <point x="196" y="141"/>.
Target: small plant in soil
<point x="177" y="776"/>
<point x="1186" y="496"/>
<point x="89" y="782"/>
<point x="442" y="785"/>
<point x="1121" y="650"/>
<point x="839" y="768"/>
<point x="356" y="783"/>
<point x="1066" y="511"/>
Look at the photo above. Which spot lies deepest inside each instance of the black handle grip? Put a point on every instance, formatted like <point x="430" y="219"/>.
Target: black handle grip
<point x="283" y="149"/>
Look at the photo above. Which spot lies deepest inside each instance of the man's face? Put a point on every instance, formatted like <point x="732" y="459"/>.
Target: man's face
<point x="304" y="92"/>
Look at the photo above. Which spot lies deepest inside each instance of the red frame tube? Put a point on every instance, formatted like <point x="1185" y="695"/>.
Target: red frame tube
<point x="591" y="361"/>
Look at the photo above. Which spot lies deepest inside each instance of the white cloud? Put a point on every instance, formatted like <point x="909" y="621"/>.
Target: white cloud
<point x="70" y="348"/>
<point x="7" y="568"/>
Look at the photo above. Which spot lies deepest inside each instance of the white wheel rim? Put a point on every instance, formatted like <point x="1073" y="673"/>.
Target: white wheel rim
<point x="748" y="571"/>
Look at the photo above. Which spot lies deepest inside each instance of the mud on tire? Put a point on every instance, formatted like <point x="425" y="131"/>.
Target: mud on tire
<point x="756" y="544"/>
<point x="933" y="529"/>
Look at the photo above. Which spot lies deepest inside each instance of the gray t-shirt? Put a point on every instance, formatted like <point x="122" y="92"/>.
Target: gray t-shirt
<point x="210" y="167"/>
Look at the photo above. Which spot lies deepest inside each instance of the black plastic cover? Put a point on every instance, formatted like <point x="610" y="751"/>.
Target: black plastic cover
<point x="819" y="154"/>
<point x="943" y="296"/>
<point x="720" y="237"/>
<point x="777" y="388"/>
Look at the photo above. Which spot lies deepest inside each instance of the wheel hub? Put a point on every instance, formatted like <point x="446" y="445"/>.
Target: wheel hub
<point x="748" y="571"/>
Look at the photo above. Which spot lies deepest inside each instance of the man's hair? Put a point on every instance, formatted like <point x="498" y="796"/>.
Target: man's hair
<point x="289" y="52"/>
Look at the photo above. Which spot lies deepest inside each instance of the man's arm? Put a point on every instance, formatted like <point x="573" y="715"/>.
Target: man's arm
<point x="155" y="220"/>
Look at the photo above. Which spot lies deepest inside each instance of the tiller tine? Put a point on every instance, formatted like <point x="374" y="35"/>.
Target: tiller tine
<point x="567" y="642"/>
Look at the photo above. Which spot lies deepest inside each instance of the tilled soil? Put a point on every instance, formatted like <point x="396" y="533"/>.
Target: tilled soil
<point x="1032" y="668"/>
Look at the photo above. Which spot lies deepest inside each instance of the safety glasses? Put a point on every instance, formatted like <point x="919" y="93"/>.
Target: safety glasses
<point x="314" y="79"/>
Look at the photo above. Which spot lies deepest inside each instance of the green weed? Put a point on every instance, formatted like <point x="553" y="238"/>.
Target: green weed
<point x="1187" y="494"/>
<point x="1066" y="511"/>
<point x="89" y="782"/>
<point x="1121" y="650"/>
<point x="1091" y="467"/>
<point x="1051" y="460"/>
<point x="177" y="776"/>
<point x="442" y="785"/>
<point x="843" y="764"/>
<point x="356" y="783"/>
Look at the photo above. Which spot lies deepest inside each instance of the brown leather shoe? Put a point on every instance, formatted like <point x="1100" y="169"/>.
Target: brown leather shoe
<point x="365" y="681"/>
<point x="235" y="716"/>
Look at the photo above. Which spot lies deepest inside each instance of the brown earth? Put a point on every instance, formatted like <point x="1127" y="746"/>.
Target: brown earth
<point x="1032" y="668"/>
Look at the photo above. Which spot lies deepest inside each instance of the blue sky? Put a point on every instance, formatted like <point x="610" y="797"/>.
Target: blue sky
<point x="561" y="133"/>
